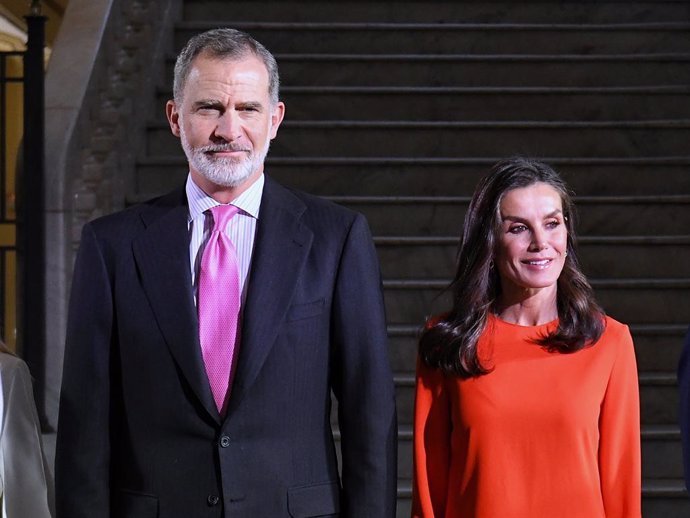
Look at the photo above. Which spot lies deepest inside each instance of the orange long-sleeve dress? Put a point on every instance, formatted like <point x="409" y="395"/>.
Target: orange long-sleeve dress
<point x="544" y="435"/>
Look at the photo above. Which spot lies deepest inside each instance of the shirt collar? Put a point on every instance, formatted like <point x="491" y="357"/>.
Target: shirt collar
<point x="249" y="202"/>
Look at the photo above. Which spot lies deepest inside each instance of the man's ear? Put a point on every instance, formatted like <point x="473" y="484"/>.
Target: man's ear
<point x="276" y="118"/>
<point x="173" y="117"/>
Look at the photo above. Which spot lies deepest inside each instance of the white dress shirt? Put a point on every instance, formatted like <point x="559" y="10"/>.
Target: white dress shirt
<point x="241" y="229"/>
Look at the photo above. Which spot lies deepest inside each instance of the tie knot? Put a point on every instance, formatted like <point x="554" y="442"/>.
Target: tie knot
<point x="222" y="214"/>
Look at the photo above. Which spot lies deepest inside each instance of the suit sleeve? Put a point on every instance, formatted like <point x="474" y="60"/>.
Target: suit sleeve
<point x="432" y="430"/>
<point x="26" y="477"/>
<point x="684" y="410"/>
<point x="619" y="432"/>
<point x="82" y="465"/>
<point x="362" y="381"/>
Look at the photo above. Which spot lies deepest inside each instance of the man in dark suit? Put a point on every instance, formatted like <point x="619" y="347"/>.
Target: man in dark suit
<point x="142" y="430"/>
<point x="684" y="387"/>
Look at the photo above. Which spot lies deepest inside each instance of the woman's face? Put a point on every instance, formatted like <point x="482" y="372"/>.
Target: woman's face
<point x="532" y="239"/>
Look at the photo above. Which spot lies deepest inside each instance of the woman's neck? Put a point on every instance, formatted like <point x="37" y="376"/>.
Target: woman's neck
<point x="527" y="307"/>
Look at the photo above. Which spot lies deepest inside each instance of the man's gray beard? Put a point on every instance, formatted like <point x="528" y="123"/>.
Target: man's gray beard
<point x="226" y="172"/>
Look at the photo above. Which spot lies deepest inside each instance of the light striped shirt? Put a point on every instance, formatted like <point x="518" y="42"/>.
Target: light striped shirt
<point x="241" y="229"/>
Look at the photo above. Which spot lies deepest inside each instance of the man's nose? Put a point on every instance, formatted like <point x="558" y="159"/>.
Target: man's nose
<point x="228" y="126"/>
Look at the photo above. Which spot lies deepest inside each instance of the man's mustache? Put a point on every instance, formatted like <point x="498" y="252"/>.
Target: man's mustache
<point x="223" y="148"/>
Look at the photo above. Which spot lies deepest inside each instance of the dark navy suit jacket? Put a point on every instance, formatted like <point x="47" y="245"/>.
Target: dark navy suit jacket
<point x="684" y="411"/>
<point x="139" y="434"/>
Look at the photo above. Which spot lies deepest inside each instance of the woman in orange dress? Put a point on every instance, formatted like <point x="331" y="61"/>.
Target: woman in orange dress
<point x="527" y="403"/>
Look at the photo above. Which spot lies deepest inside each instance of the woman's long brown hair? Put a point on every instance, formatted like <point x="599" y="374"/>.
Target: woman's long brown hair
<point x="449" y="342"/>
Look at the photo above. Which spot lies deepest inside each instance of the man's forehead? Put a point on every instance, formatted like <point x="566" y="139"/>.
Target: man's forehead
<point x="209" y="60"/>
<point x="248" y="71"/>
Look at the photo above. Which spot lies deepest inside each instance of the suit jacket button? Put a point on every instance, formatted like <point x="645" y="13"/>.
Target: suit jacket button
<point x="212" y="500"/>
<point x="224" y="441"/>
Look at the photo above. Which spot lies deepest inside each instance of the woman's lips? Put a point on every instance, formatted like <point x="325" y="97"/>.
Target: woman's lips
<point x="537" y="263"/>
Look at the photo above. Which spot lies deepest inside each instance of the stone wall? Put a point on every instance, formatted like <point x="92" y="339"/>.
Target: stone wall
<point x="99" y="79"/>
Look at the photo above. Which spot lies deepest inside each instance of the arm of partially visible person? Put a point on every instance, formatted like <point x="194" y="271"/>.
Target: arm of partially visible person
<point x="432" y="431"/>
<point x="27" y="490"/>
<point x="684" y="407"/>
<point x="363" y="383"/>
<point x="619" y="433"/>
<point x="82" y="464"/>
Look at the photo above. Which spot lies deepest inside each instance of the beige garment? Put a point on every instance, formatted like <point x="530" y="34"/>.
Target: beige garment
<point x="25" y="481"/>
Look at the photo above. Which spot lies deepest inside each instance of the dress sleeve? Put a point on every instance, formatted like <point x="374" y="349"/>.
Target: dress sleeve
<point x="26" y="476"/>
<point x="619" y="428"/>
<point x="432" y="433"/>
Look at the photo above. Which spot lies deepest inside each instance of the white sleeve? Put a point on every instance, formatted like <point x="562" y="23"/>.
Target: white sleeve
<point x="24" y="469"/>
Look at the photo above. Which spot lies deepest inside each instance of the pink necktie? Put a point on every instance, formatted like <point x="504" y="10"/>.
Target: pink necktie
<point x="219" y="305"/>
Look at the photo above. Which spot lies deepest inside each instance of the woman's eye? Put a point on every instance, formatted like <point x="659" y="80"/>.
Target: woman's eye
<point x="517" y="229"/>
<point x="553" y="224"/>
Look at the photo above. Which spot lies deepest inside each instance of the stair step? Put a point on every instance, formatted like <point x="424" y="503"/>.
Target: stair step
<point x="655" y="256"/>
<point x="430" y="175"/>
<point x="596" y="215"/>
<point x="651" y="489"/>
<point x="657" y="347"/>
<point x="644" y="301"/>
<point x="481" y="69"/>
<point x="485" y="70"/>
<point x="667" y="498"/>
<point x="447" y="138"/>
<point x="673" y="488"/>
<point x="455" y="175"/>
<point x="339" y="37"/>
<point x="476" y="104"/>
<point x="442" y="12"/>
<point x="488" y="139"/>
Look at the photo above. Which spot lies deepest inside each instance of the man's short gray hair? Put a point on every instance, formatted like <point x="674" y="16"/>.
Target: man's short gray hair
<point x="224" y="44"/>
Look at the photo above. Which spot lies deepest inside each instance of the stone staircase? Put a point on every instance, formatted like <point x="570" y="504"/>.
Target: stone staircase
<point x="397" y="108"/>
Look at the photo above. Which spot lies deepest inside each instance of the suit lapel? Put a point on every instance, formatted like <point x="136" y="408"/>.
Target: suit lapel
<point x="162" y="256"/>
<point x="280" y="248"/>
